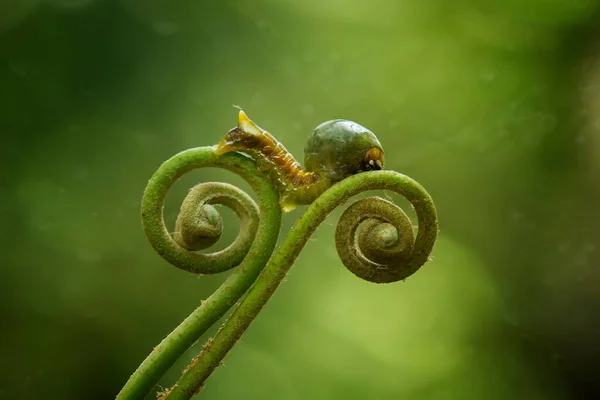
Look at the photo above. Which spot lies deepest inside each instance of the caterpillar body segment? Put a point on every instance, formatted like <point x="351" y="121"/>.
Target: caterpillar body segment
<point x="335" y="150"/>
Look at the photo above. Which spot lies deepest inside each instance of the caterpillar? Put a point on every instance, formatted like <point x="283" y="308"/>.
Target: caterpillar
<point x="335" y="150"/>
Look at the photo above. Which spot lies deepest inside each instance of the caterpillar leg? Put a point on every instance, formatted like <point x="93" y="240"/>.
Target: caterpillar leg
<point x="264" y="164"/>
<point x="302" y="193"/>
<point x="287" y="203"/>
<point x="246" y="135"/>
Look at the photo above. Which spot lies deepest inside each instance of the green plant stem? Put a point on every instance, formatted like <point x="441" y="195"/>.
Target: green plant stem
<point x="251" y="253"/>
<point x="255" y="299"/>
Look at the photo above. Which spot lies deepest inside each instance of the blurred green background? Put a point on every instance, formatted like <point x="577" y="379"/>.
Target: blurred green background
<point x="493" y="106"/>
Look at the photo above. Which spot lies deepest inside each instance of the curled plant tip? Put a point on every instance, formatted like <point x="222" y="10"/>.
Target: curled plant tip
<point x="385" y="240"/>
<point x="198" y="228"/>
<point x="199" y="225"/>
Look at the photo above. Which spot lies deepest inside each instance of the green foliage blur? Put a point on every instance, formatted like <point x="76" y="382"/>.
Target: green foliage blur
<point x="493" y="106"/>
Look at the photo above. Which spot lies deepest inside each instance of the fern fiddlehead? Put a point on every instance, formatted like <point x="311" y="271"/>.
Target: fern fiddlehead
<point x="198" y="227"/>
<point x="386" y="249"/>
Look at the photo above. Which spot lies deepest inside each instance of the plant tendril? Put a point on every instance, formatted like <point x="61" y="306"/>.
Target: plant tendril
<point x="374" y="239"/>
<point x="385" y="241"/>
<point x="199" y="226"/>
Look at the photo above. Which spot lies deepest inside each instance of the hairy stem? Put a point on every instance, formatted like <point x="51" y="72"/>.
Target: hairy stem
<point x="398" y="257"/>
<point x="251" y="250"/>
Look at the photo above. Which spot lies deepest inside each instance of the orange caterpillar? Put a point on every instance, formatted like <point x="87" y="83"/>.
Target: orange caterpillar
<point x="326" y="157"/>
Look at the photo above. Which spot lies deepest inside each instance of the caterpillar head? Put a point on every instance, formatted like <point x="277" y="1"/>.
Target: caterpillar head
<point x="340" y="148"/>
